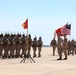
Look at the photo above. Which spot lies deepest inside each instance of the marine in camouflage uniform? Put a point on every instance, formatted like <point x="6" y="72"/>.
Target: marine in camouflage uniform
<point x="53" y="44"/>
<point x="75" y="46"/>
<point x="72" y="46"/>
<point x="18" y="46"/>
<point x="69" y="47"/>
<point x="29" y="44"/>
<point x="5" y="45"/>
<point x="1" y="47"/>
<point x="65" y="47"/>
<point x="34" y="46"/>
<point x="23" y="45"/>
<point x="59" y="46"/>
<point x="11" y="47"/>
<point x="39" y="44"/>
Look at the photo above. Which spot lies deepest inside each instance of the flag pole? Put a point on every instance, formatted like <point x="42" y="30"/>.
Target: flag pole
<point x="27" y="37"/>
<point x="70" y="34"/>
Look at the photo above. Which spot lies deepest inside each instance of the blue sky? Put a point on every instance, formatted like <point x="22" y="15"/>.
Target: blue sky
<point x="44" y="16"/>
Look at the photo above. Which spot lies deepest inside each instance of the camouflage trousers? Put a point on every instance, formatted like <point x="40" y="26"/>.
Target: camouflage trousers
<point x="39" y="51"/>
<point x="60" y="50"/>
<point x="34" y="51"/>
<point x="53" y="47"/>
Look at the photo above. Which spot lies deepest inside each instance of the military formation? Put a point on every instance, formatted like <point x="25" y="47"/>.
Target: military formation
<point x="18" y="45"/>
<point x="64" y="46"/>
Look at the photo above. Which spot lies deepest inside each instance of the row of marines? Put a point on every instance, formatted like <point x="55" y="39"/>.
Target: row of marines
<point x="17" y="45"/>
<point x="63" y="46"/>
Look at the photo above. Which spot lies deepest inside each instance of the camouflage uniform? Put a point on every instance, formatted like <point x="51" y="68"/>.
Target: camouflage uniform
<point x="1" y="47"/>
<point x="60" y="47"/>
<point x="18" y="47"/>
<point x="69" y="47"/>
<point x="72" y="47"/>
<point x="34" y="46"/>
<point x="5" y="45"/>
<point x="23" y="45"/>
<point x="53" y="44"/>
<point x="39" y="43"/>
<point x="12" y="48"/>
<point x="29" y="44"/>
<point x="65" y="47"/>
<point x="75" y="47"/>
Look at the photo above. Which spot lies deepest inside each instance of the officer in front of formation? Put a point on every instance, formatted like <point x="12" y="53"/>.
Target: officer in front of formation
<point x="65" y="47"/>
<point x="59" y="46"/>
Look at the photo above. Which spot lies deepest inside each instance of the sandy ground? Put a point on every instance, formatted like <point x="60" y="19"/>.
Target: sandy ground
<point x="46" y="65"/>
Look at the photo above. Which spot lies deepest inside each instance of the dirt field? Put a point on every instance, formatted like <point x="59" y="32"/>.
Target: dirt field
<point x="45" y="65"/>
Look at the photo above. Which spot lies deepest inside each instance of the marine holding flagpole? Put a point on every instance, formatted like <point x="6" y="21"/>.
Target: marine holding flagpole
<point x="62" y="44"/>
<point x="25" y="26"/>
<point x="28" y="44"/>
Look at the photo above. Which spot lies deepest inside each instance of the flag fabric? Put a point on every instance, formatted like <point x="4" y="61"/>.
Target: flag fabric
<point x="25" y="24"/>
<point x="64" y="30"/>
<point x="68" y="26"/>
<point x="56" y="31"/>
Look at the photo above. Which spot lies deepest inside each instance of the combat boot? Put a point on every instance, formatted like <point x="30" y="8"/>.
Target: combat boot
<point x="59" y="59"/>
<point x="39" y="55"/>
<point x="34" y="56"/>
<point x="65" y="58"/>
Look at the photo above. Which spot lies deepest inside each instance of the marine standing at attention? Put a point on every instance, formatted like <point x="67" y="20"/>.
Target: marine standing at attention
<point x="59" y="46"/>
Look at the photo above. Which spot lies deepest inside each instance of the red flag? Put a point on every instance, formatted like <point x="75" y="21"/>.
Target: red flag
<point x="58" y="30"/>
<point x="25" y="24"/>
